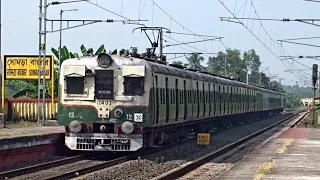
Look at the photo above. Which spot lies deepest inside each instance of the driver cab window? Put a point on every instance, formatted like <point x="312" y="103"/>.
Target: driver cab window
<point x="75" y="85"/>
<point x="133" y="86"/>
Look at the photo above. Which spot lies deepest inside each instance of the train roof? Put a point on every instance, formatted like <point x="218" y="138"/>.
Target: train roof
<point x="176" y="70"/>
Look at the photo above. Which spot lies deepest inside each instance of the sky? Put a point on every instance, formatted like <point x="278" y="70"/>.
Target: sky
<point x="20" y="26"/>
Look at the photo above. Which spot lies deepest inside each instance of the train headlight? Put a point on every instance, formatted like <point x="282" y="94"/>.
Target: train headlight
<point x="127" y="127"/>
<point x="75" y="126"/>
<point x="103" y="128"/>
<point x="104" y="60"/>
<point x="118" y="113"/>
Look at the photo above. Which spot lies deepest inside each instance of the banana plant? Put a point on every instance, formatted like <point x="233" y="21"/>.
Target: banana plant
<point x="89" y="52"/>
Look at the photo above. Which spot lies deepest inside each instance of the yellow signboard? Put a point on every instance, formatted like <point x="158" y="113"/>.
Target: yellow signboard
<point x="203" y="138"/>
<point x="25" y="67"/>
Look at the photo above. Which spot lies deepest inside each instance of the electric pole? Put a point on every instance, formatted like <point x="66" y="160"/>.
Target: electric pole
<point x="260" y="75"/>
<point x="225" y="66"/>
<point x="280" y="80"/>
<point x="41" y="66"/>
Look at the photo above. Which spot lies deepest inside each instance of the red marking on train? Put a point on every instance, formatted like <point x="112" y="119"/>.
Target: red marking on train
<point x="295" y="133"/>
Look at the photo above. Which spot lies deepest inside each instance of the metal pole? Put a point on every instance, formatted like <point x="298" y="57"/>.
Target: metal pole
<point x="39" y="66"/>
<point x="161" y="43"/>
<point x="60" y="43"/>
<point x="247" y="77"/>
<point x="313" y="105"/>
<point x="225" y="66"/>
<point x="44" y="65"/>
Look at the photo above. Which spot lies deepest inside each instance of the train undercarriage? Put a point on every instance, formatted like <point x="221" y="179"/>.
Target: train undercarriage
<point x="156" y="136"/>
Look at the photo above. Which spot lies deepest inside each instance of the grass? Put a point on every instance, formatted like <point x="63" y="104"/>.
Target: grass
<point x="265" y="169"/>
<point x="285" y="145"/>
<point x="18" y="124"/>
<point x="15" y="133"/>
<point x="307" y="122"/>
<point x="268" y="167"/>
<point x="297" y="108"/>
<point x="22" y="123"/>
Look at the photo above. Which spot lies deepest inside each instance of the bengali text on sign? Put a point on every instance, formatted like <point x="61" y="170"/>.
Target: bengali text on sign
<point x="26" y="67"/>
<point x="203" y="138"/>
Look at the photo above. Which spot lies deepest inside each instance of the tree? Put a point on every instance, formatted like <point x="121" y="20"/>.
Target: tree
<point x="236" y="64"/>
<point x="194" y="61"/>
<point x="215" y="65"/>
<point x="265" y="81"/>
<point x="180" y="63"/>
<point x="253" y="63"/>
<point x="293" y="101"/>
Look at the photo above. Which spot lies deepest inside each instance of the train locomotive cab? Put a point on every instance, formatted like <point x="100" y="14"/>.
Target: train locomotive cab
<point x="103" y="103"/>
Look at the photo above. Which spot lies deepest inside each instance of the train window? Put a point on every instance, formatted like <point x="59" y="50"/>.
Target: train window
<point x="161" y="102"/>
<point x="181" y="97"/>
<point x="134" y="86"/>
<point x="75" y="85"/>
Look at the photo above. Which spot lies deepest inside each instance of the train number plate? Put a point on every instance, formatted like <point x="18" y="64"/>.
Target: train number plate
<point x="103" y="102"/>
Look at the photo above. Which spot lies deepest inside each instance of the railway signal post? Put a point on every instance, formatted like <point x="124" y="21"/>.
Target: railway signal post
<point x="314" y="81"/>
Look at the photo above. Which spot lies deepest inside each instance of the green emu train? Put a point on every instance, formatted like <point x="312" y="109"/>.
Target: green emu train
<point x="128" y="102"/>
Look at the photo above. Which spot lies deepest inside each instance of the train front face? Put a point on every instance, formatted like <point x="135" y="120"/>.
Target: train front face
<point x="104" y="103"/>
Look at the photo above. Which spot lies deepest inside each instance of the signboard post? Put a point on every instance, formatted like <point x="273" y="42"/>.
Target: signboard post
<point x="203" y="139"/>
<point x="26" y="67"/>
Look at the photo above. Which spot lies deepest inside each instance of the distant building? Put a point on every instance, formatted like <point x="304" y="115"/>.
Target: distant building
<point x="307" y="101"/>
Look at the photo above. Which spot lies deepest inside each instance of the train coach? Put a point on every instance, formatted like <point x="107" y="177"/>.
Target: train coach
<point x="129" y="102"/>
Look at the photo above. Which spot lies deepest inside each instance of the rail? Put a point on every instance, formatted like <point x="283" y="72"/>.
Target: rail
<point x="39" y="167"/>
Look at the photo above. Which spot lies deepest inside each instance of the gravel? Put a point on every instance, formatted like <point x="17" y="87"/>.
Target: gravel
<point x="23" y="164"/>
<point x="178" y="155"/>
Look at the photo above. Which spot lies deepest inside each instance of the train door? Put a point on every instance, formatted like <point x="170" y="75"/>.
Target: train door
<point x="209" y="99"/>
<point x="214" y="100"/>
<point x="198" y="100"/>
<point x="220" y="101"/>
<point x="232" y="100"/>
<point x="167" y="100"/>
<point x="177" y="99"/>
<point x="156" y="107"/>
<point x="185" y="99"/>
<point x="203" y="100"/>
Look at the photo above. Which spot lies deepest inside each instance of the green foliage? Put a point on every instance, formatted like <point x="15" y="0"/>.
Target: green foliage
<point x="304" y="92"/>
<point x="293" y="101"/>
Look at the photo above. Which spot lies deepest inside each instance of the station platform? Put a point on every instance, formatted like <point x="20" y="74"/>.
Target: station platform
<point x="293" y="154"/>
<point x="29" y="143"/>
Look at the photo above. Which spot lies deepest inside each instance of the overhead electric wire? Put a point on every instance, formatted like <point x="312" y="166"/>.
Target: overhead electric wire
<point x="191" y="42"/>
<point x="221" y="2"/>
<point x="185" y="44"/>
<point x="135" y="22"/>
<point x="200" y="35"/>
<point x="175" y="19"/>
<point x="316" y="37"/>
<point x="304" y="44"/>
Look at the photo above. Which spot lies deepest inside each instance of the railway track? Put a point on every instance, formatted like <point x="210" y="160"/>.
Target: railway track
<point x="67" y="170"/>
<point x="78" y="170"/>
<point x="188" y="167"/>
<point x="39" y="167"/>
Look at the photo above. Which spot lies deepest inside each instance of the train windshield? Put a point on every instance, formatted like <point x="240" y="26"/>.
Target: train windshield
<point x="75" y="85"/>
<point x="133" y="86"/>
